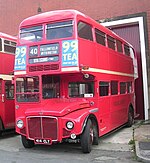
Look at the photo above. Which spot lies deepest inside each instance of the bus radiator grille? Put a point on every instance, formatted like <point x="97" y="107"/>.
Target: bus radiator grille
<point x="42" y="127"/>
<point x="44" y="67"/>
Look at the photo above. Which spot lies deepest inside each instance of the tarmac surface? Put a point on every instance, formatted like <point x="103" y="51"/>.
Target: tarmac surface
<point x="142" y="140"/>
<point x="135" y="140"/>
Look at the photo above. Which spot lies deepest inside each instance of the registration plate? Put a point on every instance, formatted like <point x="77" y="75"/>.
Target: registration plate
<point x="42" y="141"/>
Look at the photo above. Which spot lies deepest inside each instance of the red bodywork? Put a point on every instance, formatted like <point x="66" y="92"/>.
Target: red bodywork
<point x="7" y="104"/>
<point x="47" y="118"/>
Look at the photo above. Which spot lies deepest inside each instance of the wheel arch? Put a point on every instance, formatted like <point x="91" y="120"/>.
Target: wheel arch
<point x="93" y="118"/>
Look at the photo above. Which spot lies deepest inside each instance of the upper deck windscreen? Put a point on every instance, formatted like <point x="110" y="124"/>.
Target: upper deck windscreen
<point x="53" y="31"/>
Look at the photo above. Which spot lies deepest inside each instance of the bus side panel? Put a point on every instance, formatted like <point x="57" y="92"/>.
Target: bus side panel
<point x="87" y="53"/>
<point x="102" y="57"/>
<point x="1" y="100"/>
<point x="104" y="115"/>
<point x="7" y="63"/>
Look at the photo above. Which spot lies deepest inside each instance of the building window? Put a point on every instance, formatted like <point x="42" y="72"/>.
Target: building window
<point x="114" y="87"/>
<point x="100" y="37"/>
<point x="122" y="88"/>
<point x="103" y="88"/>
<point x="111" y="42"/>
<point x="85" y="31"/>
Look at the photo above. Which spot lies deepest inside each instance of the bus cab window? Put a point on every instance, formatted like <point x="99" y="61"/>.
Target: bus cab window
<point x="50" y="86"/>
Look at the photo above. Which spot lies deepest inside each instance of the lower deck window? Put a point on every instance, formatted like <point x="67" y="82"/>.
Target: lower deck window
<point x="104" y="88"/>
<point x="77" y="89"/>
<point x="114" y="87"/>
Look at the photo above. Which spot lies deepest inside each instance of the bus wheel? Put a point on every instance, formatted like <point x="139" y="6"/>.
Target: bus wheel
<point x="1" y="127"/>
<point x="87" y="137"/>
<point x="130" y="119"/>
<point x="26" y="142"/>
<point x="95" y="135"/>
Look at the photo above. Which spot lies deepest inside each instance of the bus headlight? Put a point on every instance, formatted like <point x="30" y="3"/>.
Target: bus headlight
<point x="69" y="125"/>
<point x="20" y="124"/>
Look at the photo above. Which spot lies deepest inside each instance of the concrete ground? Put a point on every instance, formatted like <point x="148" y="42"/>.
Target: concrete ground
<point x="109" y="149"/>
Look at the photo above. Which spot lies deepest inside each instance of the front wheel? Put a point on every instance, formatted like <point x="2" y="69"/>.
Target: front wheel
<point x="26" y="142"/>
<point x="87" y="137"/>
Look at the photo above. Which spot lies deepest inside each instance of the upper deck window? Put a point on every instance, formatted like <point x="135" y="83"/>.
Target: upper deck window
<point x="32" y="34"/>
<point x="59" y="30"/>
<point x="111" y="42"/>
<point x="100" y="37"/>
<point x="9" y="46"/>
<point x="85" y="31"/>
<point x="119" y="46"/>
<point x="127" y="50"/>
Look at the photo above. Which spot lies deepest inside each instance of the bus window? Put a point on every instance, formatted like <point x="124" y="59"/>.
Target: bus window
<point x="85" y="31"/>
<point x="50" y="86"/>
<point x="100" y="37"/>
<point x="9" y="89"/>
<point x="0" y="44"/>
<point x="59" y="30"/>
<point x="114" y="87"/>
<point x="77" y="89"/>
<point x="103" y="88"/>
<point x="119" y="46"/>
<point x="111" y="42"/>
<point x="9" y="46"/>
<point x="122" y="87"/>
<point x="27" y="89"/>
<point x="129" y="87"/>
<point x="32" y="34"/>
<point x="127" y="50"/>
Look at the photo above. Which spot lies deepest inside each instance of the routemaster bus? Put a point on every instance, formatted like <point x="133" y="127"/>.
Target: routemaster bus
<point x="74" y="80"/>
<point x="7" y="103"/>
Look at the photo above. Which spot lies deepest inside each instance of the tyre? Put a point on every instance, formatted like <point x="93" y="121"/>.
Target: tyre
<point x="130" y="119"/>
<point x="26" y="142"/>
<point x="1" y="127"/>
<point x="87" y="137"/>
<point x="95" y="135"/>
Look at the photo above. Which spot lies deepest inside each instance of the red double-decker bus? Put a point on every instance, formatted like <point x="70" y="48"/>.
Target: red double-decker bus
<point x="7" y="103"/>
<point x="74" y="80"/>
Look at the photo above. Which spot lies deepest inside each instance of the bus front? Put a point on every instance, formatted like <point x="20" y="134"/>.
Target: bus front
<point x="50" y="89"/>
